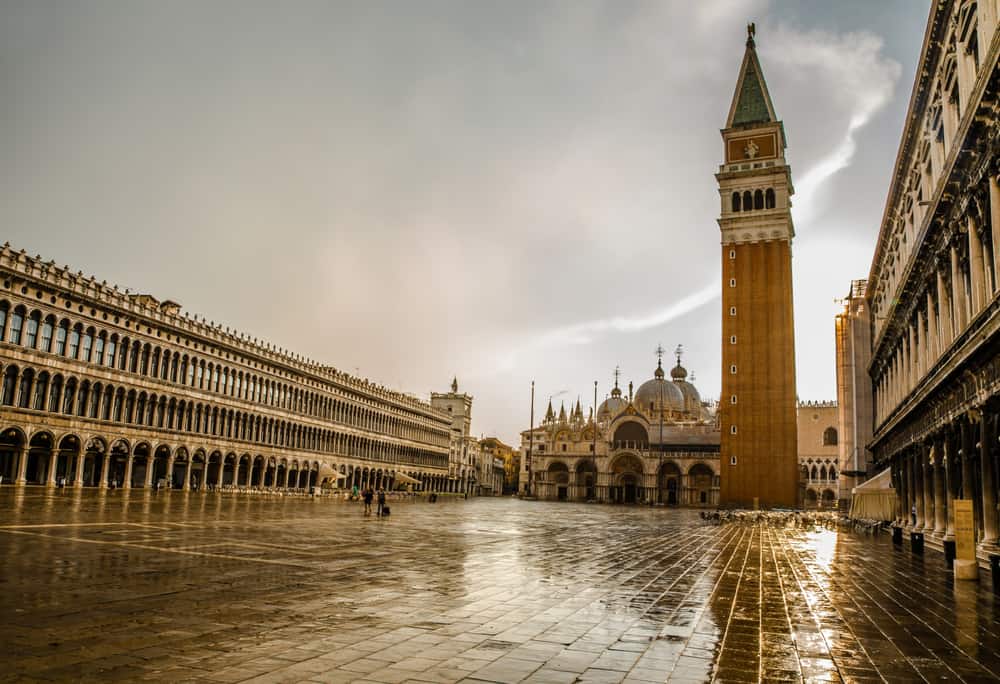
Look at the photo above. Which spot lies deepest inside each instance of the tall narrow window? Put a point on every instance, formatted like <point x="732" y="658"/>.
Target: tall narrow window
<point x="769" y="199"/>
<point x="74" y="343"/>
<point x="16" y="323"/>
<point x="758" y="199"/>
<point x="4" y="308"/>
<point x="88" y="343"/>
<point x="747" y="201"/>
<point x="47" y="329"/>
<point x="61" y="332"/>
<point x="31" y="330"/>
<point x="736" y="201"/>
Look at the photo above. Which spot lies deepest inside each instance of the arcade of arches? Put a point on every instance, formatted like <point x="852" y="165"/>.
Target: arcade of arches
<point x="100" y="387"/>
<point x="45" y="458"/>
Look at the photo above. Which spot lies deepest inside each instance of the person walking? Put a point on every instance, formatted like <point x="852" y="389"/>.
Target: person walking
<point x="381" y="502"/>
<point x="368" y="496"/>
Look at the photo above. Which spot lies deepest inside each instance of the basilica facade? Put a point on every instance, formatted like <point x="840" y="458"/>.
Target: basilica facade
<point x="101" y="387"/>
<point x="659" y="445"/>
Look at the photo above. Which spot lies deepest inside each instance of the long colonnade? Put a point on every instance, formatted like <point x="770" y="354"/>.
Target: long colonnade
<point x="934" y="285"/>
<point x="101" y="387"/>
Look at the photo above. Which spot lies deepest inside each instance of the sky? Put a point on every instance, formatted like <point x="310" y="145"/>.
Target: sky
<point x="412" y="191"/>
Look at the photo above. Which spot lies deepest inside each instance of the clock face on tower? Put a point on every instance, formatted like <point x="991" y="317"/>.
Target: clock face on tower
<point x="760" y="146"/>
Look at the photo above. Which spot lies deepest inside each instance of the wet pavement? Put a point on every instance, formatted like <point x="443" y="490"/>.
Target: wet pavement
<point x="229" y="588"/>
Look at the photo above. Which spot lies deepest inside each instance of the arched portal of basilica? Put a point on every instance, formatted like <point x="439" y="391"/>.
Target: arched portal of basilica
<point x="658" y="446"/>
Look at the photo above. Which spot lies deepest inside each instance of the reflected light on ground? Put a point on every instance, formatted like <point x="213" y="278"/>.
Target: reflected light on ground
<point x="824" y="544"/>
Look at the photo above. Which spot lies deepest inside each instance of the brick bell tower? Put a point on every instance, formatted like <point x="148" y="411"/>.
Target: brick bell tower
<point x="757" y="405"/>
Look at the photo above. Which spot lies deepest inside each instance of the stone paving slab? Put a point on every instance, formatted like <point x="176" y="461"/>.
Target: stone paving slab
<point x="174" y="586"/>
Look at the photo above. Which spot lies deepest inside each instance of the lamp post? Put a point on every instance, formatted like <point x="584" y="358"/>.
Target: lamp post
<point x="531" y="441"/>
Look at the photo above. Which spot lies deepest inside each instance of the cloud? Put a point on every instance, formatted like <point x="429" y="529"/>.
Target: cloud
<point x="586" y="332"/>
<point x="855" y="76"/>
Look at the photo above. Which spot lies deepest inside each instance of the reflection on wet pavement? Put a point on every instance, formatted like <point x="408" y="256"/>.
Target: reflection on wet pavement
<point x="224" y="588"/>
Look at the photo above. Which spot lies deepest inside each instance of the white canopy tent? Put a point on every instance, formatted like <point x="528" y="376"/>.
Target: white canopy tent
<point x="326" y="473"/>
<point x="875" y="499"/>
<point x="403" y="479"/>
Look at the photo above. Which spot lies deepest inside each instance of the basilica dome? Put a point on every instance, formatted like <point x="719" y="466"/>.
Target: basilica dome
<point x="652" y="392"/>
<point x="692" y="400"/>
<point x="611" y="406"/>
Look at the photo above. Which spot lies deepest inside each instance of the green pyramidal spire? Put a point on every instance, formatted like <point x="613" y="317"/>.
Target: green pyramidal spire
<point x="751" y="102"/>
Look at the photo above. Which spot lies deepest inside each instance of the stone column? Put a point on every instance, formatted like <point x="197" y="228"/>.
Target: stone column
<point x="933" y="341"/>
<point x="150" y="465"/>
<point x="946" y="325"/>
<point x="940" y="514"/>
<point x="977" y="275"/>
<point x="22" y="465"/>
<point x="170" y="471"/>
<point x="910" y="488"/>
<point x="186" y="486"/>
<point x="988" y="440"/>
<point x="127" y="483"/>
<point x="920" y="359"/>
<point x="995" y="225"/>
<point x="50" y="476"/>
<point x="80" y="459"/>
<point x="966" y="446"/>
<point x="930" y="515"/>
<point x="948" y="454"/>
<point x="958" y="292"/>
<point x="102" y="481"/>
<point x="919" y="492"/>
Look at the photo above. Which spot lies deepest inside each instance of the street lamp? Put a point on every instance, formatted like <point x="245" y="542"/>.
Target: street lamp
<point x="531" y="441"/>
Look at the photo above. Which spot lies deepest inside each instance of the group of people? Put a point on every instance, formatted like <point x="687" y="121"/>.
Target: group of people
<point x="369" y="495"/>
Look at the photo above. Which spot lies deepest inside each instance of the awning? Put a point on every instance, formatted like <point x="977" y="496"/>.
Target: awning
<point x="328" y="473"/>
<point x="400" y="478"/>
<point x="874" y="499"/>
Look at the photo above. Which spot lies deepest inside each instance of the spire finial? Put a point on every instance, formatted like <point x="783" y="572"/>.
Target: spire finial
<point x="454" y="384"/>
<point x="679" y="352"/>
<point x="618" y="372"/>
<point x="751" y="32"/>
<point x="659" y="355"/>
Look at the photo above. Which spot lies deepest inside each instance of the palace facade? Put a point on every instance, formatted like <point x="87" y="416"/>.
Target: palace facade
<point x="819" y="453"/>
<point x="933" y="289"/>
<point x="101" y="387"/>
<point x="660" y="445"/>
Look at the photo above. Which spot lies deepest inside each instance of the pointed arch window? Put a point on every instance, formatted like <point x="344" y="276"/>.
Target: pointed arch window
<point x="747" y="201"/>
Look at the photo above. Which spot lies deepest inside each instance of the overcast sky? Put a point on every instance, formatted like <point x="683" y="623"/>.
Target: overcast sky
<point x="502" y="191"/>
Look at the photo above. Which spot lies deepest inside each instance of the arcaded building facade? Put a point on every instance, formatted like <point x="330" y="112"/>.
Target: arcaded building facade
<point x="100" y="387"/>
<point x="658" y="446"/>
<point x="933" y="285"/>
<point x="757" y="404"/>
<point x="819" y="453"/>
